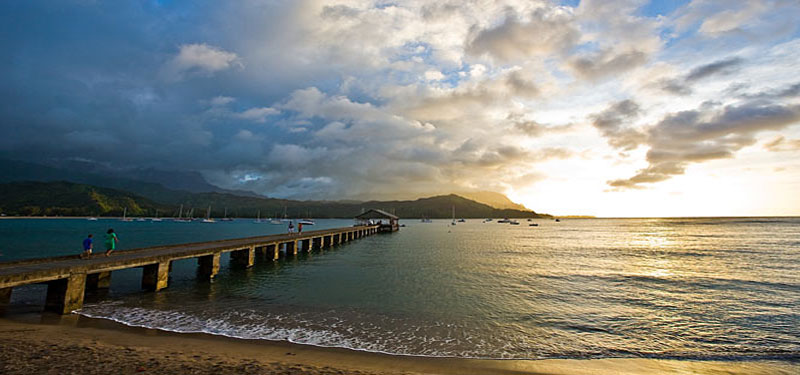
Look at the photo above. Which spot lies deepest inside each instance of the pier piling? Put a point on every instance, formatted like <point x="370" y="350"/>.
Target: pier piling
<point x="245" y="257"/>
<point x="208" y="266"/>
<point x="100" y="280"/>
<point x="5" y="295"/>
<point x="66" y="295"/>
<point x="155" y="276"/>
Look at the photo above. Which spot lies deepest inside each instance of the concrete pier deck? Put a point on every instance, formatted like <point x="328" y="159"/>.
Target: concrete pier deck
<point x="68" y="277"/>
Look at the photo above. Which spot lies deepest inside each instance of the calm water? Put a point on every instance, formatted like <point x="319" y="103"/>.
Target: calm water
<point x="661" y="288"/>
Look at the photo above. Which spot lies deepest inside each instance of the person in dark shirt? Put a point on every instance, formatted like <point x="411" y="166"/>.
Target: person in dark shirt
<point x="87" y="247"/>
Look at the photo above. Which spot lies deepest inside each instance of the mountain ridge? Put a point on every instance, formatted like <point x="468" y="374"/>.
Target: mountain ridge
<point x="72" y="199"/>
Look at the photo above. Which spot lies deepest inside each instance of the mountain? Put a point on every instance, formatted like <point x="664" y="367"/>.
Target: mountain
<point x="65" y="198"/>
<point x="150" y="183"/>
<point x="239" y="204"/>
<point x="493" y="199"/>
<point x="69" y="199"/>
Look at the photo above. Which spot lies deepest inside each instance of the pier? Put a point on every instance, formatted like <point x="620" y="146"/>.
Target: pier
<point x="68" y="277"/>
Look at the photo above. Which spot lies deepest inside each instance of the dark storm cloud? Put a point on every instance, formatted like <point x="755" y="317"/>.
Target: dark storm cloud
<point x="129" y="84"/>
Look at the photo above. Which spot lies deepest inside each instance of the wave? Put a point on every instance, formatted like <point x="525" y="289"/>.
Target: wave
<point x="260" y="329"/>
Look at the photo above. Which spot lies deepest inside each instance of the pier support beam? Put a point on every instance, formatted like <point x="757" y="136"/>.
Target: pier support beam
<point x="273" y="251"/>
<point x="155" y="276"/>
<point x="5" y="295"/>
<point x="66" y="295"/>
<point x="208" y="266"/>
<point x="100" y="280"/>
<point x="291" y="248"/>
<point x="245" y="257"/>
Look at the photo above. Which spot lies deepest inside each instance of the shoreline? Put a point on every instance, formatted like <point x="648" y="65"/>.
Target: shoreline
<point x="35" y="342"/>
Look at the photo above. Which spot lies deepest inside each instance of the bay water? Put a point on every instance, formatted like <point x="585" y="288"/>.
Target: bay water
<point x="705" y="288"/>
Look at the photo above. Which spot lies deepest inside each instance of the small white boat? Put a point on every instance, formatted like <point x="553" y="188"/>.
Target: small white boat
<point x="125" y="214"/>
<point x="92" y="219"/>
<point x="306" y="222"/>
<point x="513" y="222"/>
<point x="141" y="219"/>
<point x="426" y="220"/>
<point x="208" y="218"/>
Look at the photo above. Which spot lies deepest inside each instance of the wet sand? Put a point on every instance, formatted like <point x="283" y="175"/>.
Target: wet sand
<point x="49" y="344"/>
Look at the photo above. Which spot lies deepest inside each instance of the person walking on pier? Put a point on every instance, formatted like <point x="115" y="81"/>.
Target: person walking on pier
<point x="87" y="247"/>
<point x="291" y="227"/>
<point x="111" y="241"/>
<point x="299" y="228"/>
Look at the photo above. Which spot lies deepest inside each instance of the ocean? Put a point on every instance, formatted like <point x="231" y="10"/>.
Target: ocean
<point x="707" y="289"/>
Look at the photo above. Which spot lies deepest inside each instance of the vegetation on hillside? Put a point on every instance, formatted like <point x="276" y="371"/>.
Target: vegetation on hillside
<point x="70" y="199"/>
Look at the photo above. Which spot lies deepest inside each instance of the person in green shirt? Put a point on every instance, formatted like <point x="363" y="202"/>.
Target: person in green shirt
<point x="111" y="241"/>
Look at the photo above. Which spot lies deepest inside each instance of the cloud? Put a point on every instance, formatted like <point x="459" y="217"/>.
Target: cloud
<point x="540" y="34"/>
<point x="781" y="144"/>
<point x="363" y="97"/>
<point x="614" y="123"/>
<point x="717" y="67"/>
<point x="220" y="101"/>
<point x="199" y="60"/>
<point x="606" y="62"/>
<point x="704" y="134"/>
<point x="683" y="86"/>
<point x="257" y="114"/>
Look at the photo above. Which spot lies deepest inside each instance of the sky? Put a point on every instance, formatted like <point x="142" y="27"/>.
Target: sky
<point x="606" y="108"/>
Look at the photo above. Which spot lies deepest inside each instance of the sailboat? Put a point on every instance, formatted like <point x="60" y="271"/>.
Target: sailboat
<point x="306" y="221"/>
<point x="125" y="214"/>
<point x="285" y="218"/>
<point x="276" y="221"/>
<point x="258" y="220"/>
<point x="180" y="218"/>
<point x="157" y="219"/>
<point x="225" y="217"/>
<point x="454" y="216"/>
<point x="208" y="218"/>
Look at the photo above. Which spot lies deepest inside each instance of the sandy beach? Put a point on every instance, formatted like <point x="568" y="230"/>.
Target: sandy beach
<point x="49" y="344"/>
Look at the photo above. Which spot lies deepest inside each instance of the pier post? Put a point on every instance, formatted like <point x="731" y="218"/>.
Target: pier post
<point x="66" y="295"/>
<point x="316" y="243"/>
<point x="5" y="295"/>
<point x="245" y="257"/>
<point x="208" y="266"/>
<point x="291" y="248"/>
<point x="274" y="251"/>
<point x="100" y="280"/>
<point x="155" y="276"/>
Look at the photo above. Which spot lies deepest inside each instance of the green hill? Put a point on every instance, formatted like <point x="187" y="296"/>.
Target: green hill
<point x="69" y="199"/>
